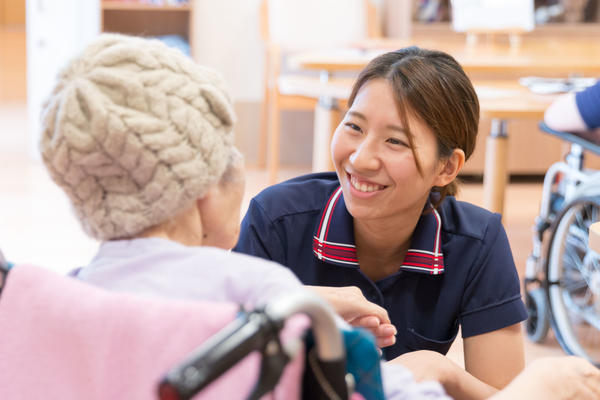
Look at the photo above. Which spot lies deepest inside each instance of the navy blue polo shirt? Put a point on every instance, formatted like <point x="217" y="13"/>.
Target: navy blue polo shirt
<point x="588" y="104"/>
<point x="459" y="268"/>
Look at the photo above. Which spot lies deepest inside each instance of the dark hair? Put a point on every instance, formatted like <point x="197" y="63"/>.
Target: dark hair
<point x="434" y="86"/>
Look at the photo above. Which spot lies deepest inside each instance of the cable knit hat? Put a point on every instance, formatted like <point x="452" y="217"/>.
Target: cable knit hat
<point x="134" y="132"/>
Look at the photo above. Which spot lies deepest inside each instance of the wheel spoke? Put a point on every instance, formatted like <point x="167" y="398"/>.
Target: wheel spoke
<point x="586" y="313"/>
<point x="574" y="304"/>
<point x="574" y="286"/>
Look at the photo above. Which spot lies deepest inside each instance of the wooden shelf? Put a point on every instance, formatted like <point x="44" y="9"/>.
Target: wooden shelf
<point x="136" y="6"/>
<point x="579" y="29"/>
<point x="143" y="19"/>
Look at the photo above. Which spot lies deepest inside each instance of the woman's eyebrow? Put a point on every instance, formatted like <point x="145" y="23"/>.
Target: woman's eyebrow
<point x="364" y="118"/>
<point x="396" y="128"/>
<point x="357" y="115"/>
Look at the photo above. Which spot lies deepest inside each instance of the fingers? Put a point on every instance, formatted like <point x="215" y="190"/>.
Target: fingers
<point x="385" y="334"/>
<point x="365" y="307"/>
<point x="369" y="322"/>
<point x="381" y="343"/>
<point x="592" y="380"/>
<point x="350" y="303"/>
<point x="586" y="379"/>
<point x="372" y="323"/>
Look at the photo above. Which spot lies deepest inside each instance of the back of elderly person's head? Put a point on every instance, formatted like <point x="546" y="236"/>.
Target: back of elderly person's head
<point x="134" y="132"/>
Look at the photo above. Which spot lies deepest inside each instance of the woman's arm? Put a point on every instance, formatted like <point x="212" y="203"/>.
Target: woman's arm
<point x="491" y="312"/>
<point x="563" y="115"/>
<point x="496" y="357"/>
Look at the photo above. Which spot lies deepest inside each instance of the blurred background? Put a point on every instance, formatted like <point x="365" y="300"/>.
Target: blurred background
<point x="289" y="65"/>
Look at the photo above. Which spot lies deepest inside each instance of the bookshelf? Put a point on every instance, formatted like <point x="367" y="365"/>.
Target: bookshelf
<point x="142" y="18"/>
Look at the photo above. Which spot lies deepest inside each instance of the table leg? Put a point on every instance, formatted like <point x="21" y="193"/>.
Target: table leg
<point x="273" y="133"/>
<point x="495" y="174"/>
<point x="327" y="118"/>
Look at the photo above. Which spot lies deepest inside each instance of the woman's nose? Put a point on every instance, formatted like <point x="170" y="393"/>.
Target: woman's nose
<point x="365" y="156"/>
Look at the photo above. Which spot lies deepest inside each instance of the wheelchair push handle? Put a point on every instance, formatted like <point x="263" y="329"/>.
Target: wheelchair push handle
<point x="249" y="332"/>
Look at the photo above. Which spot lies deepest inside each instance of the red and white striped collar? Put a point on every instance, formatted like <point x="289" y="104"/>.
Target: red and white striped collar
<point x="333" y="240"/>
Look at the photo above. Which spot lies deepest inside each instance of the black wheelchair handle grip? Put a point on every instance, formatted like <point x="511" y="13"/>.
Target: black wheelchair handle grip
<point x="218" y="354"/>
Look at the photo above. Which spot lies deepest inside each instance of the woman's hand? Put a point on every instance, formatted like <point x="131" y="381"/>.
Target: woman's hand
<point x="555" y="378"/>
<point x="354" y="308"/>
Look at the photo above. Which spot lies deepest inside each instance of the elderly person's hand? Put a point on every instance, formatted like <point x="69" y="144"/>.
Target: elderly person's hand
<point x="557" y="378"/>
<point x="354" y="308"/>
<point x="428" y="365"/>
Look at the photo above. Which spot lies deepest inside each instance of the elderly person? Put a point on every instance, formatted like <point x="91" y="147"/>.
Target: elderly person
<point x="140" y="139"/>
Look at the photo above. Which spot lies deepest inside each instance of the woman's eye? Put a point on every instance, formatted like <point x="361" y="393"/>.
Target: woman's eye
<point x="396" y="142"/>
<point x="352" y="126"/>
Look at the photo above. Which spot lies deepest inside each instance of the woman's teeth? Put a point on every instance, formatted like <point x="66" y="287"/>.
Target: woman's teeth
<point x="364" y="187"/>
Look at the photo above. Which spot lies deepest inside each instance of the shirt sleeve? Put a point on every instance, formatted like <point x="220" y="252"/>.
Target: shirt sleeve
<point x="258" y="236"/>
<point x="492" y="297"/>
<point x="399" y="384"/>
<point x="588" y="103"/>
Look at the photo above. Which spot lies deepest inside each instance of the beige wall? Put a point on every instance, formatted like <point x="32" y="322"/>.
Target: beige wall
<point x="296" y="135"/>
<point x="227" y="37"/>
<point x="12" y="12"/>
<point x="12" y="51"/>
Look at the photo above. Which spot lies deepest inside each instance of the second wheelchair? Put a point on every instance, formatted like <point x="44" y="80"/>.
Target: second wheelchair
<point x="562" y="277"/>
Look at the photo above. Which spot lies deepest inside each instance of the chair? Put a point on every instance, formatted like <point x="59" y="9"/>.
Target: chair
<point x="289" y="26"/>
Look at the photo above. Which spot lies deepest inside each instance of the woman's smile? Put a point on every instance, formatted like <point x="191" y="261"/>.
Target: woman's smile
<point x="362" y="187"/>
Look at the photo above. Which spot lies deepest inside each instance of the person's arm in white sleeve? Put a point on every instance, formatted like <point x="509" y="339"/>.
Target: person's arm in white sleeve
<point x="563" y="115"/>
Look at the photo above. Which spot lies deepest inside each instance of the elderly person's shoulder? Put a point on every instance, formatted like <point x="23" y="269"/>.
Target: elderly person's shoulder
<point x="156" y="266"/>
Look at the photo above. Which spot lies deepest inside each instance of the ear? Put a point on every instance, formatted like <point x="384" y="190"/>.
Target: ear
<point x="450" y="167"/>
<point x="203" y="203"/>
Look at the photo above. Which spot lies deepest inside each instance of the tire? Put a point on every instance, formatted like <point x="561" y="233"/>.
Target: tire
<point x="573" y="275"/>
<point x="537" y="324"/>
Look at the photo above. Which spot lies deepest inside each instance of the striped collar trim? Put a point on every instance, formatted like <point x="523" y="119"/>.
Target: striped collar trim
<point x="333" y="241"/>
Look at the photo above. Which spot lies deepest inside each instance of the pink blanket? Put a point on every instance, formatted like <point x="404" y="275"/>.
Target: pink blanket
<point x="63" y="339"/>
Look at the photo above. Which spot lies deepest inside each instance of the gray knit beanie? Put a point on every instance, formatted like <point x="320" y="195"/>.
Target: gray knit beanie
<point x="134" y="132"/>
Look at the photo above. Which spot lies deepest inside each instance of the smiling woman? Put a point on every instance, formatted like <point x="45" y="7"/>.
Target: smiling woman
<point x="384" y="239"/>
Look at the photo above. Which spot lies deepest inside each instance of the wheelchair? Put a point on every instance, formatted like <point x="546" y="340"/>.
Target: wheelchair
<point x="325" y="375"/>
<point x="139" y="353"/>
<point x="562" y="276"/>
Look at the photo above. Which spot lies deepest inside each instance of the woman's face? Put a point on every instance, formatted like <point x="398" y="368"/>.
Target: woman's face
<point x="374" y="162"/>
<point x="220" y="211"/>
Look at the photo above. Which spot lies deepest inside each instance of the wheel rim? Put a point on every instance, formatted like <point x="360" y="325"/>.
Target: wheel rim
<point x="575" y="298"/>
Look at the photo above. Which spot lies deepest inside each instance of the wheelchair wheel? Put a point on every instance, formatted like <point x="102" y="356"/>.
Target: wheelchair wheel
<point x="573" y="275"/>
<point x="537" y="324"/>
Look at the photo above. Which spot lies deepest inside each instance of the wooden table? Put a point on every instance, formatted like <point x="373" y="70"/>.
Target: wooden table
<point x="548" y="56"/>
<point x="534" y="56"/>
<point x="500" y="101"/>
